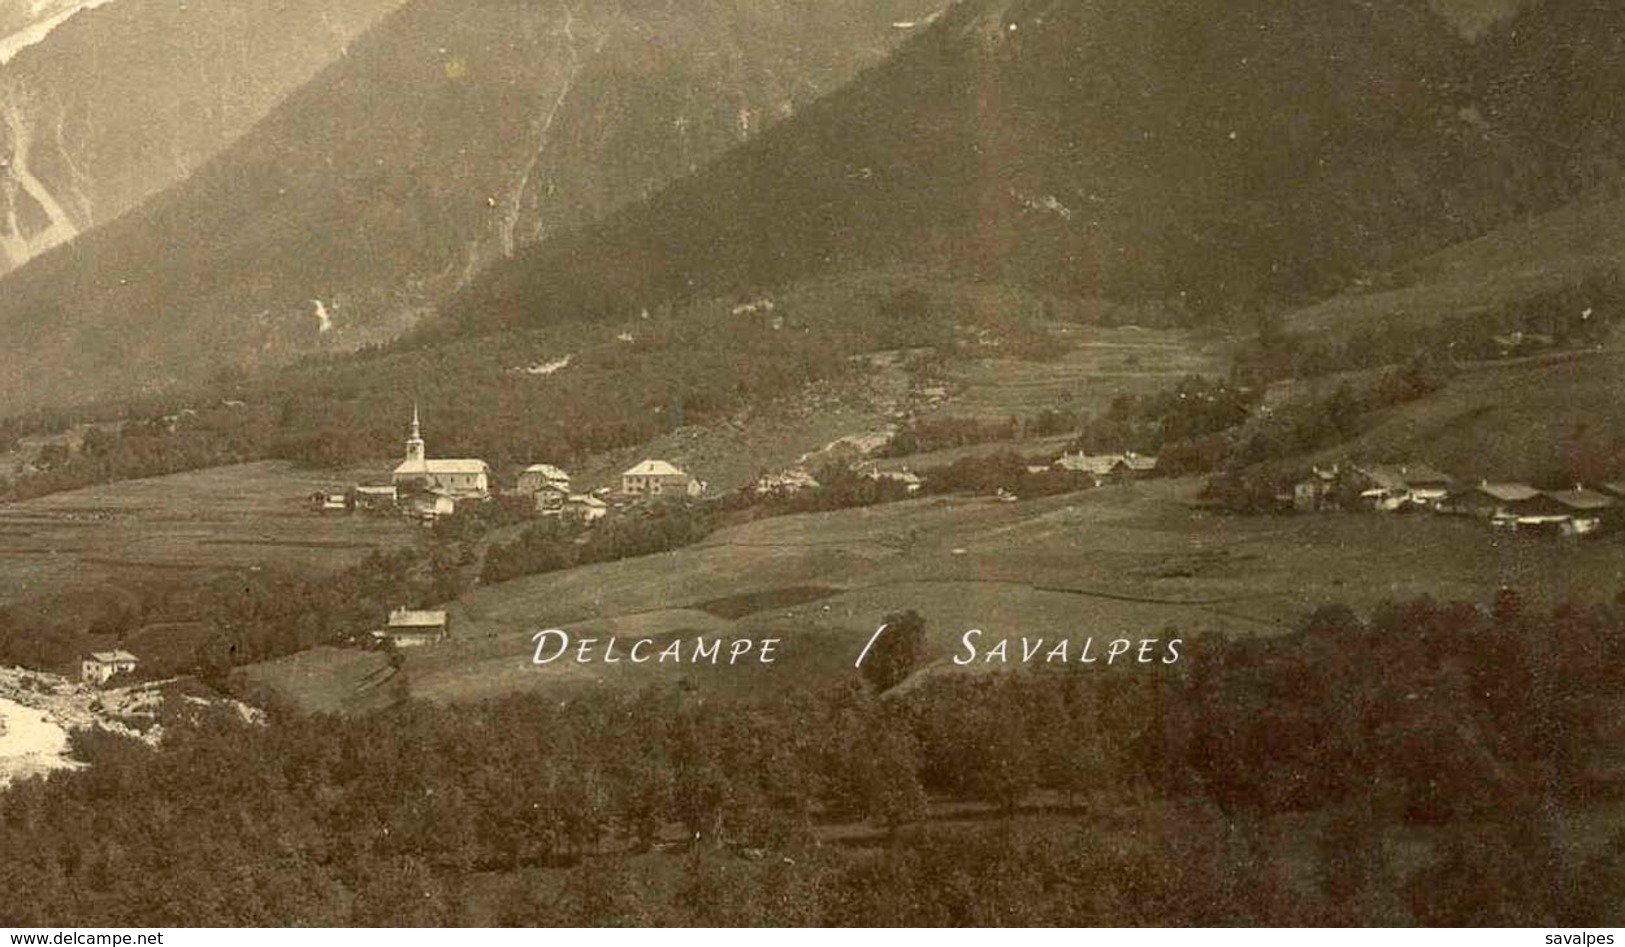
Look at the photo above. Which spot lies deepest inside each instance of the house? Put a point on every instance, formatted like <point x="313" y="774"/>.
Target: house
<point x="375" y="497"/>
<point x="550" y="500"/>
<point x="1486" y="500"/>
<point x="1541" y="513"/>
<point x="656" y="478"/>
<point x="1108" y="468"/>
<point x="432" y="505"/>
<point x="460" y="478"/>
<point x="330" y="502"/>
<point x="1103" y="468"/>
<point x="788" y="481"/>
<point x="537" y="477"/>
<point x="912" y="482"/>
<point x="1139" y="465"/>
<point x="588" y="507"/>
<point x="1316" y="491"/>
<point x="1389" y="487"/>
<point x="411" y="628"/>
<point x="1585" y="509"/>
<point x="100" y="666"/>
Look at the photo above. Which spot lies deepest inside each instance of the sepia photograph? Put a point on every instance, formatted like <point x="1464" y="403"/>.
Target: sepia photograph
<point x="812" y="464"/>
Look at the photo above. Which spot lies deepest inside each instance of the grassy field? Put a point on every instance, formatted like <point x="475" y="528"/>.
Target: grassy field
<point x="1098" y="365"/>
<point x="1135" y="562"/>
<point x="1542" y="421"/>
<point x="191" y="524"/>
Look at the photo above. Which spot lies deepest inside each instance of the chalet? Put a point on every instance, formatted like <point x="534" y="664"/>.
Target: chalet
<point x="1585" y="509"/>
<point x="1389" y="487"/>
<point x="1487" y="500"/>
<point x="656" y="478"/>
<point x="458" y="478"/>
<point x="100" y="666"/>
<point x="538" y="477"/>
<point x="410" y="628"/>
<point x="1541" y="513"/>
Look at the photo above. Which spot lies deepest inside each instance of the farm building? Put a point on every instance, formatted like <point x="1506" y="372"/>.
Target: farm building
<point x="657" y="478"/>
<point x="538" y="477"/>
<point x="1486" y="500"/>
<point x="1108" y="468"/>
<point x="100" y="666"/>
<point x="456" y="477"/>
<point x="409" y="628"/>
<point x="1585" y="509"/>
<point x="1391" y="486"/>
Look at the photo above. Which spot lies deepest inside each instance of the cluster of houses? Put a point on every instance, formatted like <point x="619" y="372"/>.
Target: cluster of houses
<point x="1579" y="511"/>
<point x="1105" y="468"/>
<point x="427" y="488"/>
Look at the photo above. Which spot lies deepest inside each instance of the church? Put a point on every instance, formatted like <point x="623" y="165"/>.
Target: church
<point x="461" y="479"/>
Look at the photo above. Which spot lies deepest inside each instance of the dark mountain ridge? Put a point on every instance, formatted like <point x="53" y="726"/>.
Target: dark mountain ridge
<point x="1259" y="154"/>
<point x="450" y="136"/>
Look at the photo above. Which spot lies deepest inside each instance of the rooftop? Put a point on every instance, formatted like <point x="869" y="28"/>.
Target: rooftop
<point x="408" y="618"/>
<point x="654" y="468"/>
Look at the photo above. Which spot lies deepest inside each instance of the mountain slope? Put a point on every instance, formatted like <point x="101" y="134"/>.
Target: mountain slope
<point x="451" y="135"/>
<point x="104" y="104"/>
<point x="1221" y="158"/>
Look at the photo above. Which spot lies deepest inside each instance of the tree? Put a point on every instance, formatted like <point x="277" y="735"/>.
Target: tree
<point x="895" y="651"/>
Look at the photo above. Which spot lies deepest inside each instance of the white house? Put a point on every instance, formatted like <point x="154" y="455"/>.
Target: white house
<point x="656" y="478"/>
<point x="102" y="665"/>
<point x="458" y="478"/>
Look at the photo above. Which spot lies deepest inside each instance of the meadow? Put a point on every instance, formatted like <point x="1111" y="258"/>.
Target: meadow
<point x="1139" y="561"/>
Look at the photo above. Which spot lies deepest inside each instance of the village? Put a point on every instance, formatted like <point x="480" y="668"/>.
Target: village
<point x="1418" y="487"/>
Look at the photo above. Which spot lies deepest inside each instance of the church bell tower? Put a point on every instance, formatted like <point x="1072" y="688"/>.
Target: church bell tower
<point x="414" y="444"/>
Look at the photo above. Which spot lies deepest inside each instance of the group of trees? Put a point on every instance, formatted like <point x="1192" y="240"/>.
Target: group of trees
<point x="1261" y="781"/>
<point x="564" y="542"/>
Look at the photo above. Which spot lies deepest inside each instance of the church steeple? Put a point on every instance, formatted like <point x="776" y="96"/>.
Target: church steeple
<point x="414" y="444"/>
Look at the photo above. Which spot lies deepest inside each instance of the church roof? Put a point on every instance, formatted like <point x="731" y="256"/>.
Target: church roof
<point x="456" y="466"/>
<point x="548" y="470"/>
